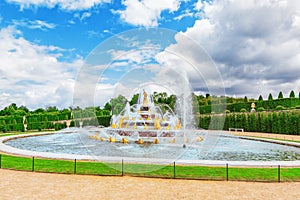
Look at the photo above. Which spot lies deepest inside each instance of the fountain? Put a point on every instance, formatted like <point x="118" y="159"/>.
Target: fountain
<point x="143" y="123"/>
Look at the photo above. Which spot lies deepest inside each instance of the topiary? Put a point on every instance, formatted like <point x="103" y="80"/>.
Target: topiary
<point x="260" y="109"/>
<point x="280" y="107"/>
<point x="243" y="110"/>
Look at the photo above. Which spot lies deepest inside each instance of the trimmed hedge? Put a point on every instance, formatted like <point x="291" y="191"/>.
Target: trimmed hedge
<point x="283" y="122"/>
<point x="46" y="121"/>
<point x="237" y="107"/>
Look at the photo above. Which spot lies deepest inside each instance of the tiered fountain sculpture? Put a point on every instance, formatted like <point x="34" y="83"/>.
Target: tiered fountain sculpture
<point x="143" y="122"/>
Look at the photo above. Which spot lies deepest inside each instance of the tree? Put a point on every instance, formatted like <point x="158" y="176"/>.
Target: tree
<point x="172" y="101"/>
<point x="51" y="109"/>
<point x="292" y="94"/>
<point x="280" y="95"/>
<point x="270" y="98"/>
<point x="39" y="110"/>
<point x="107" y="106"/>
<point x="245" y="99"/>
<point x="260" y="98"/>
<point x="134" y="99"/>
<point x="118" y="104"/>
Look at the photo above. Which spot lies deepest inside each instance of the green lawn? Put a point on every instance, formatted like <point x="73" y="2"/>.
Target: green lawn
<point x="149" y="170"/>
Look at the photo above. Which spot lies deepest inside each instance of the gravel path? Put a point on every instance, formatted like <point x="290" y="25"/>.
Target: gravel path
<point x="29" y="185"/>
<point x="268" y="135"/>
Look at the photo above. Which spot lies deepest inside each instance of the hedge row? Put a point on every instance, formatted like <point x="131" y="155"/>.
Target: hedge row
<point x="11" y="127"/>
<point x="283" y="122"/>
<point x="46" y="125"/>
<point x="237" y="107"/>
<point x="11" y="120"/>
<point x="48" y="117"/>
<point x="96" y="121"/>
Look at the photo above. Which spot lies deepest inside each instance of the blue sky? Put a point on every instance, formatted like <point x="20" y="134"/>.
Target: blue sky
<point x="253" y="47"/>
<point x="80" y="30"/>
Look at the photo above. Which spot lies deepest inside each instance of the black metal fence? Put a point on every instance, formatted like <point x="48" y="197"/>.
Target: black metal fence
<point x="276" y="173"/>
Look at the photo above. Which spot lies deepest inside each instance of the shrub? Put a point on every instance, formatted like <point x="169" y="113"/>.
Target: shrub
<point x="280" y="108"/>
<point x="243" y="110"/>
<point x="260" y="109"/>
<point x="297" y="107"/>
<point x="227" y="111"/>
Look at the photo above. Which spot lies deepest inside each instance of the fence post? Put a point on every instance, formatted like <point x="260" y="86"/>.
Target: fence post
<point x="174" y="169"/>
<point x="122" y="167"/>
<point x="278" y="173"/>
<point x="75" y="165"/>
<point x="32" y="164"/>
<point x="227" y="172"/>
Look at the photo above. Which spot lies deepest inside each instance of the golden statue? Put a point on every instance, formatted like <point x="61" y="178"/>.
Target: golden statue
<point x="145" y="101"/>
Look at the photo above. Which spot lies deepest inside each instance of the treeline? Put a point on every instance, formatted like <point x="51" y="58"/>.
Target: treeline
<point x="13" y="118"/>
<point x="283" y="122"/>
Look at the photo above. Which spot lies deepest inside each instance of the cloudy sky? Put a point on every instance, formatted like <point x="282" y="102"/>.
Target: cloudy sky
<point x="236" y="47"/>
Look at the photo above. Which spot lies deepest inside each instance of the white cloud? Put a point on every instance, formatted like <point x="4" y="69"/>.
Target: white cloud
<point x="199" y="5"/>
<point x="146" y="12"/>
<point x="138" y="56"/>
<point x="36" y="24"/>
<point x="83" y="16"/>
<point x="255" y="44"/>
<point x="63" y="4"/>
<point x="31" y="74"/>
<point x="187" y="13"/>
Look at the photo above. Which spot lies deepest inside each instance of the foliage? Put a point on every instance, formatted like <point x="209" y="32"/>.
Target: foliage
<point x="279" y="107"/>
<point x="292" y="94"/>
<point x="118" y="104"/>
<point x="243" y="110"/>
<point x="236" y="107"/>
<point x="260" y="109"/>
<point x="280" y="95"/>
<point x="283" y="121"/>
<point x="270" y="97"/>
<point x="134" y="99"/>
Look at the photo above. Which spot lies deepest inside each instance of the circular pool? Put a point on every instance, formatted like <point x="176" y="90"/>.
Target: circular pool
<point x="216" y="146"/>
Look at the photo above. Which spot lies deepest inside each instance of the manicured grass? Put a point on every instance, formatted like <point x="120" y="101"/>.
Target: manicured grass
<point x="250" y="174"/>
<point x="150" y="170"/>
<point x="54" y="166"/>
<point x="16" y="163"/>
<point x="201" y="172"/>
<point x="98" y="168"/>
<point x="290" y="174"/>
<point x="19" y="133"/>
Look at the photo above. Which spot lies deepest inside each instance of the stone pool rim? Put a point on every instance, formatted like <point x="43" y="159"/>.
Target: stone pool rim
<point x="64" y="156"/>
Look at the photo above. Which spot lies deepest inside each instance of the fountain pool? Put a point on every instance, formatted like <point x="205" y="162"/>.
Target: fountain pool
<point x="215" y="146"/>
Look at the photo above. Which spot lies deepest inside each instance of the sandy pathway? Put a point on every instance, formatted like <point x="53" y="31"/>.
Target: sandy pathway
<point x="268" y="135"/>
<point x="28" y="185"/>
